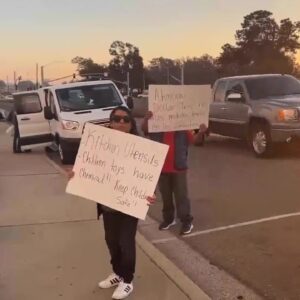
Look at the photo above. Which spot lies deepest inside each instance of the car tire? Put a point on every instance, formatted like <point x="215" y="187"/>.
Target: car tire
<point x="66" y="157"/>
<point x="16" y="142"/>
<point x="260" y="139"/>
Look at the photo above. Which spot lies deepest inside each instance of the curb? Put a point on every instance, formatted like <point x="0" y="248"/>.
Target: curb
<point x="56" y="166"/>
<point x="182" y="281"/>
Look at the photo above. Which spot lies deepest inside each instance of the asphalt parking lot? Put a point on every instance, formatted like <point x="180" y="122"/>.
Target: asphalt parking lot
<point x="246" y="214"/>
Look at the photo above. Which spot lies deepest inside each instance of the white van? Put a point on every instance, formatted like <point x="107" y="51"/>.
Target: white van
<point x="57" y="114"/>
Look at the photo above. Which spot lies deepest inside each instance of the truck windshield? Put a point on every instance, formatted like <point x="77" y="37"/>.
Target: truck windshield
<point x="265" y="87"/>
<point x="88" y="97"/>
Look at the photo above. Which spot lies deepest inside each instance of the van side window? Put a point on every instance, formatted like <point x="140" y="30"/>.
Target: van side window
<point x="219" y="95"/>
<point x="28" y="104"/>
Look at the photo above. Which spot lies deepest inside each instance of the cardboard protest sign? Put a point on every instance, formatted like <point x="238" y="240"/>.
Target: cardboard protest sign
<point x="117" y="169"/>
<point x="178" y="107"/>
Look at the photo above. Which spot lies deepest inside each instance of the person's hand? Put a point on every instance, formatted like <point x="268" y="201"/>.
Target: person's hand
<point x="202" y="128"/>
<point x="151" y="200"/>
<point x="70" y="174"/>
<point x="148" y="115"/>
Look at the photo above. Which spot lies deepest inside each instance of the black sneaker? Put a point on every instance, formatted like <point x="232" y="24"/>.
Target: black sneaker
<point x="166" y="225"/>
<point x="186" y="228"/>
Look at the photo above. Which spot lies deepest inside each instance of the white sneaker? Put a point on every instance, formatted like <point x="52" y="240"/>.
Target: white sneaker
<point x="165" y="225"/>
<point x="123" y="290"/>
<point x="112" y="280"/>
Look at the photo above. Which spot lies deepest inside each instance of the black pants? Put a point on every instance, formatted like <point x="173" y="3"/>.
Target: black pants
<point x="175" y="184"/>
<point x="120" y="230"/>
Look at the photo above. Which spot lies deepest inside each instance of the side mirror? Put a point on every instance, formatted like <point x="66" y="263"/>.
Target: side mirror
<point x="48" y="113"/>
<point x="235" y="97"/>
<point x="129" y="102"/>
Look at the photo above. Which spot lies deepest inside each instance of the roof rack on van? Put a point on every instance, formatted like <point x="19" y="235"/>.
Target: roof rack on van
<point x="94" y="76"/>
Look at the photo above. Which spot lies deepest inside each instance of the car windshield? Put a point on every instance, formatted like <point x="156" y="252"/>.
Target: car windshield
<point x="265" y="87"/>
<point x="88" y="97"/>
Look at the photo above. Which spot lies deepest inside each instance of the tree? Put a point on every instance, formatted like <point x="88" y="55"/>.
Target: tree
<point x="126" y="58"/>
<point x="197" y="70"/>
<point x="2" y="85"/>
<point x="25" y="85"/>
<point x="87" y="66"/>
<point x="162" y="71"/>
<point x="262" y="46"/>
<point x="200" y="70"/>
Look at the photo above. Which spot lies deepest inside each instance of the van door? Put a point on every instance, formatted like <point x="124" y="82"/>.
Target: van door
<point x="31" y="128"/>
<point x="50" y="102"/>
<point x="54" y="123"/>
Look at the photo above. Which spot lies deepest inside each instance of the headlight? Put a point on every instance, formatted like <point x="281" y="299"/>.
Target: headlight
<point x="288" y="115"/>
<point x="69" y="125"/>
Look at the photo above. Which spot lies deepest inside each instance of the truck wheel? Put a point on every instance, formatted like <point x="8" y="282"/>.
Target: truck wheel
<point x="66" y="157"/>
<point x="261" y="142"/>
<point x="16" y="142"/>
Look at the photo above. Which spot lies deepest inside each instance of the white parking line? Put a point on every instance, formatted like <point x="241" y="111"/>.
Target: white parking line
<point x="222" y="228"/>
<point x="165" y="240"/>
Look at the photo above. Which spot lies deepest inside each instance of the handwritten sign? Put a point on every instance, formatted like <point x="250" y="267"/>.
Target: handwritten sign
<point x="178" y="107"/>
<point x="117" y="169"/>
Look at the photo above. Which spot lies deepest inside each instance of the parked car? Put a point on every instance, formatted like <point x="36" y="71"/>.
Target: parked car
<point x="263" y="109"/>
<point x="57" y="114"/>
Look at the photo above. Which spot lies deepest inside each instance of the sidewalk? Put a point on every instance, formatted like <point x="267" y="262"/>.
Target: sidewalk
<point x="52" y="246"/>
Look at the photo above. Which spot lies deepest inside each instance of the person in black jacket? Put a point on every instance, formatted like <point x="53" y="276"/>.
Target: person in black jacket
<point x="120" y="229"/>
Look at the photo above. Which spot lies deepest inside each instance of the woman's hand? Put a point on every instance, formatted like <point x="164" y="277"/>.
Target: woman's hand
<point x="151" y="200"/>
<point x="202" y="128"/>
<point x="70" y="174"/>
<point x="148" y="115"/>
<point x="144" y="126"/>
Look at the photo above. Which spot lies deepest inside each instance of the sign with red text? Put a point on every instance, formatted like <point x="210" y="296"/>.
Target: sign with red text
<point x="117" y="169"/>
<point x="178" y="107"/>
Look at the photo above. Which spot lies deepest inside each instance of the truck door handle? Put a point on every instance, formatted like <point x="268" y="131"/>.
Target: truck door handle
<point x="224" y="108"/>
<point x="25" y="119"/>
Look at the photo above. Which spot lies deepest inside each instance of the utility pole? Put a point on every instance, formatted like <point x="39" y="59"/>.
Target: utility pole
<point x="182" y="74"/>
<point x="37" y="76"/>
<point x="43" y="67"/>
<point x="128" y="89"/>
<point x="7" y="84"/>
<point x="130" y="67"/>
<point x="42" y="75"/>
<point x="168" y="75"/>
<point x="15" y="80"/>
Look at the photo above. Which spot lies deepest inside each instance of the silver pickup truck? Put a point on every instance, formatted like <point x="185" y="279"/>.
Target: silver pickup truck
<point x="263" y="109"/>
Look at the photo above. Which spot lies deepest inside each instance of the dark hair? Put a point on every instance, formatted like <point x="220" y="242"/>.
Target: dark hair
<point x="133" y="129"/>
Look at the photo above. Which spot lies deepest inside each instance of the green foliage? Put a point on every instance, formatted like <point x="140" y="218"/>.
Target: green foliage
<point x="262" y="46"/>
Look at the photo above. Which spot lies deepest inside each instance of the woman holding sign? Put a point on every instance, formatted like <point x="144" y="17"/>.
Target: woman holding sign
<point x="120" y="229"/>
